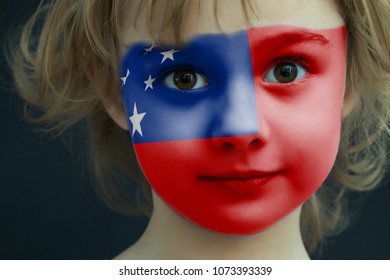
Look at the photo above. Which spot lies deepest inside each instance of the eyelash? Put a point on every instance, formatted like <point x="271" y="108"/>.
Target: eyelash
<point x="290" y="58"/>
<point x="174" y="68"/>
<point x="167" y="73"/>
<point x="296" y="58"/>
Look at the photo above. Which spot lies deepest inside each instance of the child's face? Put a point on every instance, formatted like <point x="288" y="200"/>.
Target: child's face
<point x="236" y="131"/>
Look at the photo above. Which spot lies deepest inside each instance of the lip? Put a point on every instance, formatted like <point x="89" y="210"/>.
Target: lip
<point x="246" y="181"/>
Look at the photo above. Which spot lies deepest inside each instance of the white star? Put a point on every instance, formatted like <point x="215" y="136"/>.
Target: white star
<point x="149" y="83"/>
<point x="136" y="120"/>
<point x="168" y="54"/>
<point x="150" y="48"/>
<point x="124" y="79"/>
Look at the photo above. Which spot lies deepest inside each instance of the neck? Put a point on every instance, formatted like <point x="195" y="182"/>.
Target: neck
<point x="169" y="236"/>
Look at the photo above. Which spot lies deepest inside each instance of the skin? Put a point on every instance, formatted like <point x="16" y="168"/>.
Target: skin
<point x="283" y="239"/>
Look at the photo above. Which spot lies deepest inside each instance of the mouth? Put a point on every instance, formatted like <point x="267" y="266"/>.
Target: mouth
<point x="241" y="181"/>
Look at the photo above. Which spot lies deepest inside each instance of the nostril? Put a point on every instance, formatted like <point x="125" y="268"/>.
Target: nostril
<point x="256" y="143"/>
<point x="226" y="145"/>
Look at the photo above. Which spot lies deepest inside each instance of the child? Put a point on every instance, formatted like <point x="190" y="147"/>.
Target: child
<point x="250" y="120"/>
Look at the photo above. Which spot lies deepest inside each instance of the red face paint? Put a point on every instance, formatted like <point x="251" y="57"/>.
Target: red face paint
<point x="239" y="150"/>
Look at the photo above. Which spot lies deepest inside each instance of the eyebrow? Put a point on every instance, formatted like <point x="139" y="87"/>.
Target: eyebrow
<point x="296" y="37"/>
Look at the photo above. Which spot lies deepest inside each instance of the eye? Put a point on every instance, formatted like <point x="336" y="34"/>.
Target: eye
<point x="185" y="79"/>
<point x="285" y="72"/>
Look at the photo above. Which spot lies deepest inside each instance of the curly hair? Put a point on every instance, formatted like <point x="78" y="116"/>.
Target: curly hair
<point x="62" y="38"/>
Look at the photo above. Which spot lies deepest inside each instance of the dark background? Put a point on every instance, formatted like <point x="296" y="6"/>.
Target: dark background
<point x="48" y="209"/>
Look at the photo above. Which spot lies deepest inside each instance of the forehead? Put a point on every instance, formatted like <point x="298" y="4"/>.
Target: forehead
<point x="200" y="16"/>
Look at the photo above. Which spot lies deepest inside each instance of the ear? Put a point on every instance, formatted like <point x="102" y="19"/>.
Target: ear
<point x="115" y="110"/>
<point x="348" y="103"/>
<point x="111" y="102"/>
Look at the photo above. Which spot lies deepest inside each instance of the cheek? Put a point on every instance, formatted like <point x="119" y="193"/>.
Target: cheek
<point x="308" y="132"/>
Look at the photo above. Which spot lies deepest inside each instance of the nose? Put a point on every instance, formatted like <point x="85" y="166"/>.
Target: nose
<point x="239" y="122"/>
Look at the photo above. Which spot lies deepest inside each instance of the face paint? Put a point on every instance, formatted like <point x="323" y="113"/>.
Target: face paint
<point x="235" y="131"/>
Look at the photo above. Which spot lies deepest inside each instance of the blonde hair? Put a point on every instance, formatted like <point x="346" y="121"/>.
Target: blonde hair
<point x="50" y="69"/>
